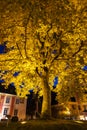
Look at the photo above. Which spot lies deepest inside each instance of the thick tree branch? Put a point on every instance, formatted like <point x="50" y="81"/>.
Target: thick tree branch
<point x="59" y="53"/>
<point x="38" y="72"/>
<point x="41" y="42"/>
<point x="79" y="49"/>
<point x="26" y="24"/>
<point x="19" y="49"/>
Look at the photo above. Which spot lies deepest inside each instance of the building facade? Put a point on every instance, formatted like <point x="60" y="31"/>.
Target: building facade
<point x="12" y="105"/>
<point x="78" y="110"/>
<point x="70" y="110"/>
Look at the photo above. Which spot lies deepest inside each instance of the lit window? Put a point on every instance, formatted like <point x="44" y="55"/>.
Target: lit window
<point x="7" y="99"/>
<point x="5" y="111"/>
<point x="85" y="107"/>
<point x="15" y="112"/>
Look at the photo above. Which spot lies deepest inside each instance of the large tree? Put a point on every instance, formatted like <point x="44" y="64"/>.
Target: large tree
<point x="40" y="40"/>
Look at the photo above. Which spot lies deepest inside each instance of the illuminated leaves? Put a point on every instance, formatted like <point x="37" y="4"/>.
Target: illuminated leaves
<point x="44" y="39"/>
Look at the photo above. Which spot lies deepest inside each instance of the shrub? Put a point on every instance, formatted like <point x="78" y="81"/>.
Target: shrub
<point x="4" y="120"/>
<point x="14" y="119"/>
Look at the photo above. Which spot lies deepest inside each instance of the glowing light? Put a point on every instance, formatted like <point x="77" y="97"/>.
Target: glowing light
<point x="82" y="117"/>
<point x="67" y="111"/>
<point x="23" y="122"/>
<point x="78" y="122"/>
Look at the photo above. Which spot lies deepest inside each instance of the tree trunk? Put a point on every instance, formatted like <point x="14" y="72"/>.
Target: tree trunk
<point x="46" y="104"/>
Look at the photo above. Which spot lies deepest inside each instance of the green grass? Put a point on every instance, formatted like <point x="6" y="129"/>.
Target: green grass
<point x="45" y="125"/>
